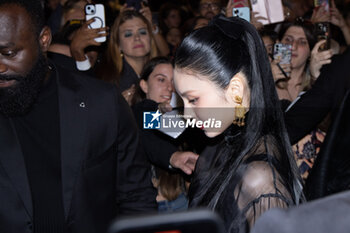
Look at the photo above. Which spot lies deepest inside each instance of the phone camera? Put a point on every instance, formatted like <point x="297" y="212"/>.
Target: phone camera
<point x="236" y="11"/>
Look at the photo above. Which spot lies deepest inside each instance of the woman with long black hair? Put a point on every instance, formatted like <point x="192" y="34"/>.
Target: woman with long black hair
<point x="222" y="72"/>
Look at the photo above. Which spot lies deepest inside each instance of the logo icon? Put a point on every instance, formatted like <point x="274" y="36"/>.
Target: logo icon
<point x="151" y="120"/>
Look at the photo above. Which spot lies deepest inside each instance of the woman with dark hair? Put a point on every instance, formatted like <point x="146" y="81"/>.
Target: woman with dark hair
<point x="222" y="72"/>
<point x="306" y="62"/>
<point x="155" y="89"/>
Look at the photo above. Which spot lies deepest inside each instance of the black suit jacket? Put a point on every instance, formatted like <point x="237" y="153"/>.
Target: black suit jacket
<point x="324" y="97"/>
<point x="101" y="173"/>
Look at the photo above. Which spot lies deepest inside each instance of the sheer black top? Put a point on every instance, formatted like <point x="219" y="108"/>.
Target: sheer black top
<point x="257" y="184"/>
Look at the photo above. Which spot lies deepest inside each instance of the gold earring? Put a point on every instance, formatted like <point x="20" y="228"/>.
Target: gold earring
<point x="121" y="54"/>
<point x="239" y="112"/>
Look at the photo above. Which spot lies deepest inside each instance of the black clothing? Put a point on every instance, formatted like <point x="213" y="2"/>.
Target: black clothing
<point x="157" y="146"/>
<point x="128" y="77"/>
<point x="68" y="63"/>
<point x="102" y="175"/>
<point x="43" y="160"/>
<point x="325" y="96"/>
<point x="256" y="185"/>
<point x="331" y="171"/>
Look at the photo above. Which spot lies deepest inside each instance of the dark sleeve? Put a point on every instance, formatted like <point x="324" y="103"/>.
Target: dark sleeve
<point x="157" y="146"/>
<point x="314" y="105"/>
<point x="135" y="192"/>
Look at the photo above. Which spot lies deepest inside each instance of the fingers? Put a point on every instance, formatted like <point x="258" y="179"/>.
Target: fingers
<point x="187" y="170"/>
<point x="184" y="160"/>
<point x="229" y="9"/>
<point x="317" y="47"/>
<point x="126" y="8"/>
<point x="321" y="55"/>
<point x="165" y="107"/>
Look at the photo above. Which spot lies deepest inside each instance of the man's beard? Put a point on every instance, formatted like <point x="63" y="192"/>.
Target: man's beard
<point x="19" y="98"/>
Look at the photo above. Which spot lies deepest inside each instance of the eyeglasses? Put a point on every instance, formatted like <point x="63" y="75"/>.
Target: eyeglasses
<point x="212" y="5"/>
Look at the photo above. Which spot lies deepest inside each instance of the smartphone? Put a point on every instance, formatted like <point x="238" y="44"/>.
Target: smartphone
<point x="242" y="12"/>
<point x="282" y="52"/>
<point x="323" y="33"/>
<point x="318" y="3"/>
<point x="272" y="10"/>
<point x="240" y="3"/>
<point x="136" y="4"/>
<point x="96" y="11"/>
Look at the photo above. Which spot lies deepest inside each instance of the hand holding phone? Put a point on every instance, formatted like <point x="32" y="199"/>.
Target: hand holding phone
<point x="282" y="55"/>
<point x="270" y="10"/>
<point x="96" y="12"/>
<point x="319" y="3"/>
<point x="323" y="33"/>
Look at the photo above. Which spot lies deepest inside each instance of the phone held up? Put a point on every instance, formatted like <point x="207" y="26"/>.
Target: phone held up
<point x="323" y="33"/>
<point x="318" y="3"/>
<point x="272" y="10"/>
<point x="283" y="53"/>
<point x="97" y="12"/>
<point x="242" y="12"/>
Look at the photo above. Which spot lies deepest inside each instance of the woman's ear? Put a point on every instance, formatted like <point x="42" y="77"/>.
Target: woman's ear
<point x="45" y="38"/>
<point x="144" y="86"/>
<point x="236" y="87"/>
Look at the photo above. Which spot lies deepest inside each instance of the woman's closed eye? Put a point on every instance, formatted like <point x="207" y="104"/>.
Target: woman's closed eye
<point x="193" y="101"/>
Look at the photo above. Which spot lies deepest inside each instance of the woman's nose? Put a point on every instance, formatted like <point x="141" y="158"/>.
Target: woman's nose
<point x="170" y="87"/>
<point x="137" y="36"/>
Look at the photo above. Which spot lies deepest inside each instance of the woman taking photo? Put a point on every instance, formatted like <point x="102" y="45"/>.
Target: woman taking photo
<point x="130" y="46"/>
<point x="224" y="68"/>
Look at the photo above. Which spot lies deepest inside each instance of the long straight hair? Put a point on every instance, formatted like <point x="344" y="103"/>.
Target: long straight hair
<point x="112" y="66"/>
<point x="219" y="51"/>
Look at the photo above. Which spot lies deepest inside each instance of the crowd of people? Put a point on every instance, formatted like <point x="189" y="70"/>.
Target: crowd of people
<point x="74" y="152"/>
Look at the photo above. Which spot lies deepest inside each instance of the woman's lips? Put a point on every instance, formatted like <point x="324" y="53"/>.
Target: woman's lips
<point x="138" y="46"/>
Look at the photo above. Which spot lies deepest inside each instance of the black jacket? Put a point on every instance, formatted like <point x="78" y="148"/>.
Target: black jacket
<point x="102" y="175"/>
<point x="324" y="97"/>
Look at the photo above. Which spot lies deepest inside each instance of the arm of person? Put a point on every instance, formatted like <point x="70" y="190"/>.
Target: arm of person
<point x="338" y="20"/>
<point x="324" y="96"/>
<point x="162" y="151"/>
<point x="159" y="40"/>
<point x="83" y="38"/>
<point x="261" y="190"/>
<point x="318" y="59"/>
<point x="135" y="192"/>
<point x="320" y="14"/>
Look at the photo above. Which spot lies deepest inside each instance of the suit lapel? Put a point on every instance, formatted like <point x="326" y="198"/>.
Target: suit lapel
<point x="73" y="124"/>
<point x="11" y="159"/>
